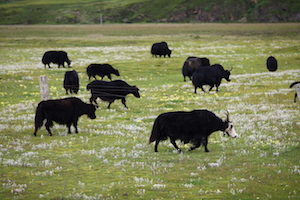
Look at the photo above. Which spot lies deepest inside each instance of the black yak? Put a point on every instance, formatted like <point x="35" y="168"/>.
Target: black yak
<point x="297" y="83"/>
<point x="191" y="64"/>
<point x="272" y="64"/>
<point x="57" y="57"/>
<point x="160" y="49"/>
<point x="62" y="111"/>
<point x="101" y="70"/>
<point x="190" y="127"/>
<point x="211" y="76"/>
<point x="110" y="91"/>
<point x="71" y="82"/>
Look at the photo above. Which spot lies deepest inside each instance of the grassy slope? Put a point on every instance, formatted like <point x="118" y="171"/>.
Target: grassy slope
<point x="110" y="157"/>
<point x="88" y="12"/>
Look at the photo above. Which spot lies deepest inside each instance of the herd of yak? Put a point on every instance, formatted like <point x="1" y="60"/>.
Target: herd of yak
<point x="189" y="127"/>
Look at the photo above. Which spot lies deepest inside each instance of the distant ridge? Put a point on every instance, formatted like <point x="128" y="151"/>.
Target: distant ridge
<point x="147" y="11"/>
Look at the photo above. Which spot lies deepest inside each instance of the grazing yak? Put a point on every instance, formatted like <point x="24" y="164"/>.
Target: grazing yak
<point x="272" y="64"/>
<point x="160" y="49"/>
<point x="101" y="70"/>
<point x="191" y="64"/>
<point x="71" y="82"/>
<point x="110" y="91"/>
<point x="190" y="127"/>
<point x="203" y="61"/>
<point x="297" y="83"/>
<point x="62" y="111"/>
<point x="211" y="76"/>
<point x="56" y="57"/>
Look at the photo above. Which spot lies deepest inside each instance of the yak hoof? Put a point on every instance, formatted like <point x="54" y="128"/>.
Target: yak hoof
<point x="179" y="151"/>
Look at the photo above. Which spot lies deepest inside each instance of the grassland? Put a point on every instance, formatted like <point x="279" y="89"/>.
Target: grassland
<point x="110" y="158"/>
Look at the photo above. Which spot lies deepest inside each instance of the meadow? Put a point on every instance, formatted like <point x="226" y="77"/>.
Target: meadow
<point x="110" y="158"/>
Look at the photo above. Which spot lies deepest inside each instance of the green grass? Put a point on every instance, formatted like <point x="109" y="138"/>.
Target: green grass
<point x="110" y="158"/>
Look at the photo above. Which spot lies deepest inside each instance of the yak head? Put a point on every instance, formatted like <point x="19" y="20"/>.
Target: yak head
<point x="230" y="131"/>
<point x="69" y="62"/>
<point x="91" y="111"/>
<point x="135" y="91"/>
<point x="227" y="74"/>
<point x="116" y="72"/>
<point x="169" y="53"/>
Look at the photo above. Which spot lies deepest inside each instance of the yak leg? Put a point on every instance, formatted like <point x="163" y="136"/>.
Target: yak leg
<point x="75" y="126"/>
<point x="124" y="102"/>
<point x="195" y="90"/>
<point x="217" y="89"/>
<point x="156" y="145"/>
<point x="196" y="146"/>
<point x="93" y="99"/>
<point x="205" y="142"/>
<point x="295" y="98"/>
<point x="109" y="77"/>
<point x="211" y="87"/>
<point x="175" y="145"/>
<point x="202" y="89"/>
<point x="35" y="130"/>
<point x="110" y="102"/>
<point x="48" y="125"/>
<point x="69" y="128"/>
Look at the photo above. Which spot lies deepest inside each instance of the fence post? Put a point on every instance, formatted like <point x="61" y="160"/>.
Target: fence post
<point x="44" y="88"/>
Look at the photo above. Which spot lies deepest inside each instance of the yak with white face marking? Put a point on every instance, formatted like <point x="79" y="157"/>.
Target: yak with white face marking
<point x="190" y="127"/>
<point x="297" y="83"/>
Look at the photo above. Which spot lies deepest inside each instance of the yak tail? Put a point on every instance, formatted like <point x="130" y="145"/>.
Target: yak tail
<point x="39" y="118"/>
<point x="294" y="83"/>
<point x="155" y="131"/>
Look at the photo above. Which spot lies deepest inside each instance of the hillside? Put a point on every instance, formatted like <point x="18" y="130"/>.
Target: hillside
<point x="141" y="11"/>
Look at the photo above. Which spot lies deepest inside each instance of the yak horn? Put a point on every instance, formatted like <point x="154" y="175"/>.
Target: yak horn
<point x="231" y="69"/>
<point x="227" y="115"/>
